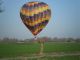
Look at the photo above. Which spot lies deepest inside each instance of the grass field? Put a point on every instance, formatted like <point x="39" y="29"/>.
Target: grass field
<point x="24" y="49"/>
<point x="58" y="58"/>
<point x="61" y="47"/>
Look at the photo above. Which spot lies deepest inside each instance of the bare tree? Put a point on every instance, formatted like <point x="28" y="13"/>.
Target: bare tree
<point x="1" y="9"/>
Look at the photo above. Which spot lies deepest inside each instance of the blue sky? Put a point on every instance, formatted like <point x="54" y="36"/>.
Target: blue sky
<point x="64" y="22"/>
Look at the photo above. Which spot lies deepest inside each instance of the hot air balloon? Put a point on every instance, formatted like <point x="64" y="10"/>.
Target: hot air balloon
<point x="35" y="16"/>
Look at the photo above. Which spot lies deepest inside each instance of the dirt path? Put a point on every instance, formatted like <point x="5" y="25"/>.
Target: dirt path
<point x="62" y="54"/>
<point x="54" y="54"/>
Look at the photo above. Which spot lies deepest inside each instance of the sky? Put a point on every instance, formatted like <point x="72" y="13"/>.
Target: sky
<point x="64" y="22"/>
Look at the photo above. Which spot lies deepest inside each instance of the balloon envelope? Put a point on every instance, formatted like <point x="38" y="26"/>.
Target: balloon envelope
<point x="35" y="16"/>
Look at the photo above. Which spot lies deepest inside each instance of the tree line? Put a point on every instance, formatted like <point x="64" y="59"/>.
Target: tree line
<point x="42" y="39"/>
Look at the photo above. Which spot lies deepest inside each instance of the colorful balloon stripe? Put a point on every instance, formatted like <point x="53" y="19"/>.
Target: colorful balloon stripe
<point x="34" y="29"/>
<point x="27" y="12"/>
<point x="38" y="25"/>
<point x="36" y="18"/>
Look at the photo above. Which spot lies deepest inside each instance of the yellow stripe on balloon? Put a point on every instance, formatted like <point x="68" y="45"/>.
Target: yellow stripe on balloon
<point x="40" y="20"/>
<point x="37" y="21"/>
<point x="37" y="29"/>
<point x="26" y="12"/>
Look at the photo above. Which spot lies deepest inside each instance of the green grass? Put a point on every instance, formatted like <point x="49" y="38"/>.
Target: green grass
<point x="57" y="58"/>
<point x="61" y="47"/>
<point x="9" y="50"/>
<point x="15" y="49"/>
<point x="67" y="58"/>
